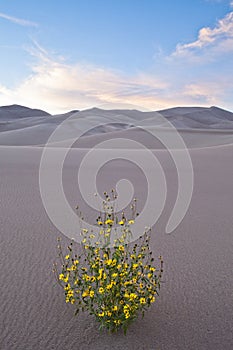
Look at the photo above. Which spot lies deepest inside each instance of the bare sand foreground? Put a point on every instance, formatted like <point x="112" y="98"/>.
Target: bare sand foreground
<point x="194" y="310"/>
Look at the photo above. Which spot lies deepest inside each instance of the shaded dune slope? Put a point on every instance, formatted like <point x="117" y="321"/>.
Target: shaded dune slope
<point x="199" y="127"/>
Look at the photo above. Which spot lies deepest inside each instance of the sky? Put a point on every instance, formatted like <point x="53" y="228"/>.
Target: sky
<point x="145" y="54"/>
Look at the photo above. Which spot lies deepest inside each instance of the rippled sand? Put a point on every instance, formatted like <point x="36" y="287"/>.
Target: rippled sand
<point x="194" y="310"/>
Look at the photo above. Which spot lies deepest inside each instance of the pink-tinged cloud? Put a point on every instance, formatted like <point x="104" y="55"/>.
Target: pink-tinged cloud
<point x="209" y="39"/>
<point x="56" y="86"/>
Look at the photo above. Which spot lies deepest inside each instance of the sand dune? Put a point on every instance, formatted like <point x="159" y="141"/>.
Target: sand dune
<point x="16" y="112"/>
<point x="200" y="127"/>
<point x="194" y="310"/>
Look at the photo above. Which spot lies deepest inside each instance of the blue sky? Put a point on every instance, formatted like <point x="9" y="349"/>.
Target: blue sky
<point x="59" y="55"/>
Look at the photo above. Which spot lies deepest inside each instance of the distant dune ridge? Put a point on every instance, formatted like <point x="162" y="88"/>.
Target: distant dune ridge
<point x="16" y="111"/>
<point x="194" y="309"/>
<point x="199" y="126"/>
<point x="181" y="117"/>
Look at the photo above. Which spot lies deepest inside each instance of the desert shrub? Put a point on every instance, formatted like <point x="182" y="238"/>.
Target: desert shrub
<point x="112" y="279"/>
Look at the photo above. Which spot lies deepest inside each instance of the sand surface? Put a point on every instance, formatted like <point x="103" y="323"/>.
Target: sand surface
<point x="194" y="310"/>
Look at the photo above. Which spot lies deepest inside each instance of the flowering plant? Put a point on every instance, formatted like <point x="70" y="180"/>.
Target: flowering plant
<point x="113" y="283"/>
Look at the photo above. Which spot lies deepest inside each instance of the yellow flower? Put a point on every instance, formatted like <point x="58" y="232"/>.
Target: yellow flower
<point x="142" y="301"/>
<point x="70" y="293"/>
<point x="67" y="287"/>
<point x="92" y="293"/>
<point x="109" y="286"/>
<point x="127" y="315"/>
<point x="100" y="274"/>
<point x="152" y="299"/>
<point x="131" y="222"/>
<point x="101" y="290"/>
<point x="67" y="256"/>
<point x="66" y="278"/>
<point x="149" y="275"/>
<point x="121" y="248"/>
<point x="92" y="236"/>
<point x="100" y="223"/>
<point x="114" y="275"/>
<point x="132" y="296"/>
<point x="73" y="268"/>
<point x="126" y="295"/>
<point x="115" y="308"/>
<point x="152" y="269"/>
<point x="109" y="222"/>
<point x="121" y="222"/>
<point x="76" y="262"/>
<point x="84" y="240"/>
<point x="135" y="266"/>
<point x="101" y="314"/>
<point x="109" y="262"/>
<point x="109" y="313"/>
<point x="61" y="276"/>
<point x="93" y="278"/>
<point x="119" y="266"/>
<point x="72" y="301"/>
<point x="85" y="293"/>
<point x="117" y="321"/>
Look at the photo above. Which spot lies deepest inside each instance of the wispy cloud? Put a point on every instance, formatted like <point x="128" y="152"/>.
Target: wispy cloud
<point x="210" y="41"/>
<point x="196" y="73"/>
<point x="209" y="92"/>
<point x="20" y="21"/>
<point x="58" y="86"/>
